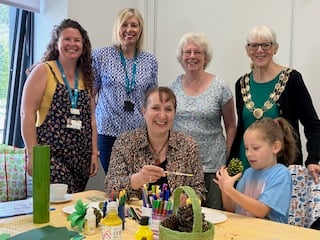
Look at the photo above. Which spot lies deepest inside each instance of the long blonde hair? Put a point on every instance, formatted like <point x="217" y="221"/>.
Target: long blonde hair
<point x="123" y="16"/>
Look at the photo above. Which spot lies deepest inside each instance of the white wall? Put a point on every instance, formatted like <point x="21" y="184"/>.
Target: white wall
<point x="226" y="23"/>
<point x="51" y="13"/>
<point x="306" y="45"/>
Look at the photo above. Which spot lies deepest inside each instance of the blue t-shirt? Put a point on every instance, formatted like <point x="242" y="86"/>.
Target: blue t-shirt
<point x="110" y="84"/>
<point x="271" y="186"/>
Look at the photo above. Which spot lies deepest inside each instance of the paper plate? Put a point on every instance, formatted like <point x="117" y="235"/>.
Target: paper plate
<point x="67" y="198"/>
<point x="213" y="216"/>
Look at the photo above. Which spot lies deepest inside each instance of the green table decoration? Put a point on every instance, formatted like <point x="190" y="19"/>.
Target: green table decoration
<point x="41" y="183"/>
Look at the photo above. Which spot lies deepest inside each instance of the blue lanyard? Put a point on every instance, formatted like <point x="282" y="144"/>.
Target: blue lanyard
<point x="73" y="96"/>
<point x="130" y="84"/>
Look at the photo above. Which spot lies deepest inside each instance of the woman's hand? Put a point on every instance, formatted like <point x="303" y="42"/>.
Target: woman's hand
<point x="314" y="170"/>
<point x="147" y="174"/>
<point x="29" y="163"/>
<point x="151" y="173"/>
<point x="94" y="166"/>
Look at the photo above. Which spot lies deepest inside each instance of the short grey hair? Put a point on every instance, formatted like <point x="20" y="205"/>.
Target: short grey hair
<point x="201" y="40"/>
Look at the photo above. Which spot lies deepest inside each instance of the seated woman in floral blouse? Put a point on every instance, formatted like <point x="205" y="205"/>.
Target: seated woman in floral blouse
<point x="143" y="156"/>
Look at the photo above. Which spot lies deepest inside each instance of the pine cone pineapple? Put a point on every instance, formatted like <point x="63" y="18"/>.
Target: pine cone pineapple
<point x="235" y="166"/>
<point x="171" y="222"/>
<point x="183" y="220"/>
<point x="98" y="214"/>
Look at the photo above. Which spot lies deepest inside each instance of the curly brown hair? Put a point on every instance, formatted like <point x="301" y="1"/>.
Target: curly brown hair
<point x="85" y="60"/>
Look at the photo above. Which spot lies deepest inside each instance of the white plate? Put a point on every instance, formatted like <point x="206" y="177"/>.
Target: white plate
<point x="70" y="209"/>
<point x="67" y="198"/>
<point x="213" y="215"/>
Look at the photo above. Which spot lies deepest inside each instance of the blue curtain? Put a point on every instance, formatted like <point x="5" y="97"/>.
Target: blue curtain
<point x="21" y="59"/>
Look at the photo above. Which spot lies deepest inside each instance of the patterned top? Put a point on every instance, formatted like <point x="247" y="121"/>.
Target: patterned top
<point x="110" y="84"/>
<point x="50" y="90"/>
<point x="200" y="117"/>
<point x="131" y="152"/>
<point x="70" y="149"/>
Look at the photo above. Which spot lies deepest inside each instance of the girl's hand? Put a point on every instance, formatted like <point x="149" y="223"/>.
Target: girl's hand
<point x="224" y="181"/>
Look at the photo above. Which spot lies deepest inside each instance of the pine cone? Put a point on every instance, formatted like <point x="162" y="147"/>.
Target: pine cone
<point x="98" y="214"/>
<point x="235" y="166"/>
<point x="185" y="216"/>
<point x="171" y="222"/>
<point x="183" y="220"/>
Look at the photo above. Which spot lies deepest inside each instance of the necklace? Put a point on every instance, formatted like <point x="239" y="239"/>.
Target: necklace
<point x="273" y="96"/>
<point x="155" y="154"/>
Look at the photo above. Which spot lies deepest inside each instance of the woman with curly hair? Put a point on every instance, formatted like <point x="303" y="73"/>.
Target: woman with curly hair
<point x="57" y="107"/>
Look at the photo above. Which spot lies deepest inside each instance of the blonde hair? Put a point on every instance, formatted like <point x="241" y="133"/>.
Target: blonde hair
<point x="123" y="16"/>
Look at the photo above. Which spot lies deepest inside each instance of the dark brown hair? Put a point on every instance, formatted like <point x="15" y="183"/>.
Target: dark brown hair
<point x="165" y="95"/>
<point x="84" y="62"/>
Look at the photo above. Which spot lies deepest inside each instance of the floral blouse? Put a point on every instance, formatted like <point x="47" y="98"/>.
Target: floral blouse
<point x="131" y="152"/>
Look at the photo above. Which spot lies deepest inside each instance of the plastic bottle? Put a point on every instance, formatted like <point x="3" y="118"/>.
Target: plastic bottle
<point x="90" y="224"/>
<point x="144" y="232"/>
<point x="111" y="225"/>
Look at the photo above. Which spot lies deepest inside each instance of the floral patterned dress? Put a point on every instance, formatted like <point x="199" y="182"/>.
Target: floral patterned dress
<point x="70" y="149"/>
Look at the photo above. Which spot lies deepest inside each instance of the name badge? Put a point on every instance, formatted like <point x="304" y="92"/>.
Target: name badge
<point x="128" y="106"/>
<point x="74" y="111"/>
<point x="74" y="124"/>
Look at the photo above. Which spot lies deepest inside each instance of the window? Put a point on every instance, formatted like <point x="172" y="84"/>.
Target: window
<point x="4" y="63"/>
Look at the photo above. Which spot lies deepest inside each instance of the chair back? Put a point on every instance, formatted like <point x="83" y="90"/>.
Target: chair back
<point x="305" y="201"/>
<point x="13" y="174"/>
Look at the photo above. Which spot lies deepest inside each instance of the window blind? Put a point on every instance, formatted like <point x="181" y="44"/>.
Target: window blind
<point x="29" y="5"/>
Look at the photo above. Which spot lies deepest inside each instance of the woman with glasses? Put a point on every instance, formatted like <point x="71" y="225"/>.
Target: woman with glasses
<point x="203" y="99"/>
<point x="272" y="90"/>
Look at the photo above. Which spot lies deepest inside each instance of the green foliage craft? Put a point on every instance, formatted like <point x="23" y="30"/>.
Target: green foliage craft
<point x="77" y="218"/>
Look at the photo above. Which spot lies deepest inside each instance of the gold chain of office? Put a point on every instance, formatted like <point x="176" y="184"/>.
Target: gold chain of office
<point x="273" y="96"/>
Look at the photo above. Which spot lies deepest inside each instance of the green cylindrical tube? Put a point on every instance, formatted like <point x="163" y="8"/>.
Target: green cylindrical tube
<point x="41" y="183"/>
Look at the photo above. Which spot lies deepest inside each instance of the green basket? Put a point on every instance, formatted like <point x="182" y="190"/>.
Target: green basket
<point x="168" y="234"/>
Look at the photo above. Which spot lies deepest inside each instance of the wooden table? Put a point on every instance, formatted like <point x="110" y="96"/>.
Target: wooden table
<point x="236" y="227"/>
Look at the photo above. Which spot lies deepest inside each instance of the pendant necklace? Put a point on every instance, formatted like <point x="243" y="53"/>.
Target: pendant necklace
<point x="155" y="154"/>
<point x="273" y="96"/>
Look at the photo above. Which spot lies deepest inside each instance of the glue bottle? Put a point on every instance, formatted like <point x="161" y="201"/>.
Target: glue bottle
<point x="90" y="223"/>
<point x="144" y="232"/>
<point x="111" y="224"/>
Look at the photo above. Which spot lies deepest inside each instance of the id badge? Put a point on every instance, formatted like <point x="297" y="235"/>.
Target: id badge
<point x="74" y="111"/>
<point x="74" y="124"/>
<point x="128" y="106"/>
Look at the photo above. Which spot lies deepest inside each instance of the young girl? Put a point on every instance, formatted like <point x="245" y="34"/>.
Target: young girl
<point x="264" y="190"/>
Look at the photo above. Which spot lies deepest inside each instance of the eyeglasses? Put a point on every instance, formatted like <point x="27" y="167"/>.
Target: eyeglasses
<point x="196" y="53"/>
<point x="255" y="46"/>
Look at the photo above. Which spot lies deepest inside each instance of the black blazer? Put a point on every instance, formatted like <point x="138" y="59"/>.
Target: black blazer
<point x="295" y="104"/>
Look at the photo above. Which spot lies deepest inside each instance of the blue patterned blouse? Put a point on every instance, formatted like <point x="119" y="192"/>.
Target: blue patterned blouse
<point x="200" y="117"/>
<point x="110" y="84"/>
